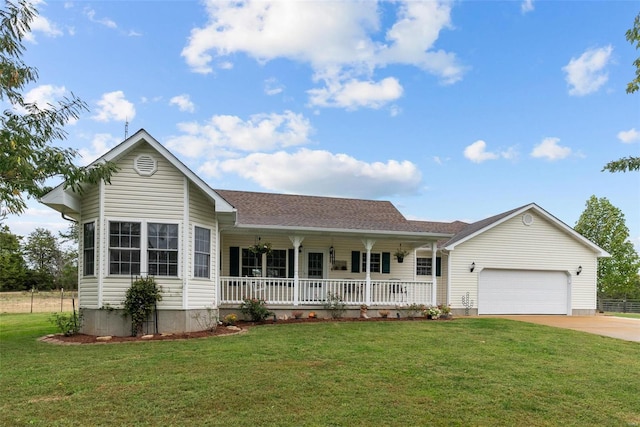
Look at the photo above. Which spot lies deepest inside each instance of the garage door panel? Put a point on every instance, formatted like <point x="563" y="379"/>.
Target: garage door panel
<point x="522" y="292"/>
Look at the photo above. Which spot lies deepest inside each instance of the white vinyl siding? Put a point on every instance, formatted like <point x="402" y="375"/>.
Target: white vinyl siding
<point x="88" y="284"/>
<point x="513" y="245"/>
<point x="158" y="198"/>
<point x="202" y="290"/>
<point x="342" y="247"/>
<point x="145" y="197"/>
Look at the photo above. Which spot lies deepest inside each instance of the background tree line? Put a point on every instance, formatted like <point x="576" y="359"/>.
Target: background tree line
<point x="41" y="261"/>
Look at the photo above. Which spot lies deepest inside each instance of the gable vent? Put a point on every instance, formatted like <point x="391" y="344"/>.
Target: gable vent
<point x="145" y="165"/>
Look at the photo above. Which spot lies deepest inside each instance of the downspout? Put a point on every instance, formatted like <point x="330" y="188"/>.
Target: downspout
<point x="434" y="296"/>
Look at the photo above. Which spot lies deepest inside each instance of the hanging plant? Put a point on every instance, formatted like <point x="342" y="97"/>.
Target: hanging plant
<point x="260" y="248"/>
<point x="400" y="254"/>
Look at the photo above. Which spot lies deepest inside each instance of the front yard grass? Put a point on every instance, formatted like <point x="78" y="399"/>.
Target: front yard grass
<point x="628" y="315"/>
<point x="470" y="371"/>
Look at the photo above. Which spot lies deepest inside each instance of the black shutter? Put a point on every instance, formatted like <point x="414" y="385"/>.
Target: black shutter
<point x="292" y="259"/>
<point x="386" y="262"/>
<point x="438" y="266"/>
<point x="234" y="261"/>
<point x="355" y="261"/>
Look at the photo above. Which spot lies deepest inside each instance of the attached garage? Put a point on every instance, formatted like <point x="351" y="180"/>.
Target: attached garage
<point x="523" y="292"/>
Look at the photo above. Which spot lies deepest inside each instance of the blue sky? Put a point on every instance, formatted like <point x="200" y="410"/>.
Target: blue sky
<point x="451" y="110"/>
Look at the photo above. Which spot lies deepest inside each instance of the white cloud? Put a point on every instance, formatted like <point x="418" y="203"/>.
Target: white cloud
<point x="629" y="136"/>
<point x="526" y="6"/>
<point x="586" y="74"/>
<point x="183" y="102"/>
<point x="477" y="153"/>
<point x="45" y="95"/>
<point x="341" y="39"/>
<point x="42" y="25"/>
<point x="114" y="106"/>
<point x="260" y="132"/>
<point x="101" y="143"/>
<point x="354" y="94"/>
<point x="550" y="149"/>
<point x="91" y="14"/>
<point x="325" y="173"/>
<point x="272" y="86"/>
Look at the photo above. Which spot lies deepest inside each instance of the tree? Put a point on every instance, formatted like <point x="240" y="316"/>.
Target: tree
<point x="27" y="156"/>
<point x="630" y="163"/>
<point x="43" y="255"/>
<point x="604" y="224"/>
<point x="13" y="270"/>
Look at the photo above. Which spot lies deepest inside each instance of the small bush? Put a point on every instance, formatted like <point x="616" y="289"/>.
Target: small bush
<point x="335" y="305"/>
<point x="67" y="324"/>
<point x="230" y="319"/>
<point x="255" y="308"/>
<point x="140" y="301"/>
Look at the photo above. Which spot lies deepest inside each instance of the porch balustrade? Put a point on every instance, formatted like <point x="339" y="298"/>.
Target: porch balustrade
<point x="277" y="291"/>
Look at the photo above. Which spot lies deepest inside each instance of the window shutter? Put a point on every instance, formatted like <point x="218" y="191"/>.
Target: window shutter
<point x="234" y="261"/>
<point x="438" y="266"/>
<point x="355" y="261"/>
<point x="386" y="262"/>
<point x="292" y="259"/>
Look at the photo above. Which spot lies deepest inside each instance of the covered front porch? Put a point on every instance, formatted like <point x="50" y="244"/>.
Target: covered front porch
<point x="314" y="292"/>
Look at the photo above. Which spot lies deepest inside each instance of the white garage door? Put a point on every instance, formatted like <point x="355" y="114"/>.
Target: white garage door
<point x="522" y="292"/>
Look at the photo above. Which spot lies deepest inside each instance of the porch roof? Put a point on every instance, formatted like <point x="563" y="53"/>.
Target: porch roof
<point x="288" y="211"/>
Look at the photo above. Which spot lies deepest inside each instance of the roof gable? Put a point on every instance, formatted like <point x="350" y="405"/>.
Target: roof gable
<point x="479" y="227"/>
<point x="56" y="198"/>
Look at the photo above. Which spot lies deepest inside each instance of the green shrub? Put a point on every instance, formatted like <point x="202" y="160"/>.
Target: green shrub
<point x="67" y="324"/>
<point x="255" y="308"/>
<point x="140" y="301"/>
<point x="335" y="305"/>
<point x="230" y="319"/>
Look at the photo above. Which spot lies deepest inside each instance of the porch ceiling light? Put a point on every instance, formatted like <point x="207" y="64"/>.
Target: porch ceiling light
<point x="332" y="255"/>
<point x="579" y="270"/>
<point x="473" y="267"/>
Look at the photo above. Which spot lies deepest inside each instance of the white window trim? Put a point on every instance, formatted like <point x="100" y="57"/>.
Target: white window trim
<point x="144" y="259"/>
<point x="95" y="248"/>
<point x="192" y="244"/>
<point x="363" y="260"/>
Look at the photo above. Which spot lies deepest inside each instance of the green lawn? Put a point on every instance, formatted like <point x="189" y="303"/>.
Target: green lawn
<point x="469" y="371"/>
<point x="629" y="315"/>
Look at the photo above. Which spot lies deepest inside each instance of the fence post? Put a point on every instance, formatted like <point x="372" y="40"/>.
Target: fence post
<point x="32" y="288"/>
<point x="61" y="298"/>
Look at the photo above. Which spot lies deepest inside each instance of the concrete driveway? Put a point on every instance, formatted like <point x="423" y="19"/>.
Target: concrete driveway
<point x="608" y="326"/>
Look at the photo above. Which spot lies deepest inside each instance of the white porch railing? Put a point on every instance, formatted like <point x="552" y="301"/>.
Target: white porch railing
<point x="277" y="291"/>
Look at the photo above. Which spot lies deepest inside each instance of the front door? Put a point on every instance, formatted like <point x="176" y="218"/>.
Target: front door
<point x="315" y="270"/>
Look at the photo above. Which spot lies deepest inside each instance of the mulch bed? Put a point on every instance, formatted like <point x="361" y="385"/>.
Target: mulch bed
<point x="241" y="327"/>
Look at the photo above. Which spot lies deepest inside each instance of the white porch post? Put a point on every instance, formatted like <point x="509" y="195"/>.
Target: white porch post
<point x="368" y="244"/>
<point x="297" y="242"/>
<point x="434" y="289"/>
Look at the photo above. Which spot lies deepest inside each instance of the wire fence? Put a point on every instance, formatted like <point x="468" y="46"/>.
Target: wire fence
<point x="619" y="305"/>
<point x="38" y="301"/>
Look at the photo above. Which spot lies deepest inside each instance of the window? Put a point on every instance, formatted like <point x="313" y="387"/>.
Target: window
<point x="251" y="263"/>
<point x="202" y="252"/>
<point x="162" y="249"/>
<point x="424" y="267"/>
<point x="89" y="248"/>
<point x="375" y="262"/>
<point x="277" y="263"/>
<point x="124" y="248"/>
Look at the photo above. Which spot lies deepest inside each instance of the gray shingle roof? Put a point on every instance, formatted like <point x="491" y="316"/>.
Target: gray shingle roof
<point x="479" y="225"/>
<point x="286" y="210"/>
